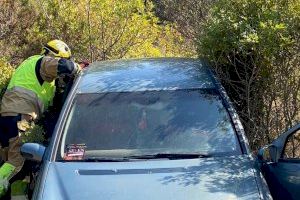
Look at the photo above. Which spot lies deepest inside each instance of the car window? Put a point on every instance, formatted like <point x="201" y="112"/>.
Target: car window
<point x="292" y="147"/>
<point x="134" y="123"/>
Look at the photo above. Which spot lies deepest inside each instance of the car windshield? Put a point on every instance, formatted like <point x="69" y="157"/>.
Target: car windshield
<point x="124" y="124"/>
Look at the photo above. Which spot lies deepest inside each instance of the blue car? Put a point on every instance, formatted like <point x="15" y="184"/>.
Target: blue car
<point x="157" y="129"/>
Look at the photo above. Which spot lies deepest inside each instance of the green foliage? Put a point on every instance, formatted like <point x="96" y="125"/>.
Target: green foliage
<point x="6" y="72"/>
<point x="16" y="19"/>
<point x="94" y="29"/>
<point x="34" y="134"/>
<point x="254" y="46"/>
<point x="104" y="29"/>
<point x="263" y="28"/>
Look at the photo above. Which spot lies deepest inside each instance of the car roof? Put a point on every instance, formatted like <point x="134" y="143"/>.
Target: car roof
<point x="145" y="74"/>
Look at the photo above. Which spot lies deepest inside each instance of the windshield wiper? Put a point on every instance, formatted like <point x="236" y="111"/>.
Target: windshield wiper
<point x="171" y="156"/>
<point x="105" y="159"/>
<point x="98" y="159"/>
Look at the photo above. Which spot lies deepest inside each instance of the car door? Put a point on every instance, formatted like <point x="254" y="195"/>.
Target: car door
<point x="280" y="164"/>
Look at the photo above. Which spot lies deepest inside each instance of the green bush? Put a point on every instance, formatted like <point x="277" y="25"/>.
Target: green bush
<point x="254" y="47"/>
<point x="6" y="71"/>
<point x="250" y="27"/>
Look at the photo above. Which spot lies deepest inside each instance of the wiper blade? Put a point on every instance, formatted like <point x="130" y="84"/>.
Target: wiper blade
<point x="105" y="159"/>
<point x="98" y="159"/>
<point x="171" y="156"/>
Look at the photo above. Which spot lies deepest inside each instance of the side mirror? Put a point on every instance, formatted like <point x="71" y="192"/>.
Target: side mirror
<point x="33" y="151"/>
<point x="268" y="154"/>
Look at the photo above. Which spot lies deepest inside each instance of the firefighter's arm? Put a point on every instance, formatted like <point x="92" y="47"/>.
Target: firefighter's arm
<point x="52" y="68"/>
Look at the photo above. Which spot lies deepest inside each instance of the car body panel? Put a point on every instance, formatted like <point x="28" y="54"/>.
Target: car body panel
<point x="204" y="178"/>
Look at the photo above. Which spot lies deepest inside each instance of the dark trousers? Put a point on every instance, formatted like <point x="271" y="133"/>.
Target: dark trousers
<point x="8" y="129"/>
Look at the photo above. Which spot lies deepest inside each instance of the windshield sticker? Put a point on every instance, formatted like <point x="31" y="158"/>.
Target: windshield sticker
<point x="75" y="152"/>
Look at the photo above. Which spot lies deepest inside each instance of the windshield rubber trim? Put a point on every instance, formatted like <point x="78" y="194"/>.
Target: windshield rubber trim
<point x="62" y="119"/>
<point x="235" y="121"/>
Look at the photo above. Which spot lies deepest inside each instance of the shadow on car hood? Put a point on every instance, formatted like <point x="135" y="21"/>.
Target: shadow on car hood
<point x="204" y="178"/>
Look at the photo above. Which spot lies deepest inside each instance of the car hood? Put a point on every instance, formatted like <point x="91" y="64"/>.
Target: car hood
<point x="204" y="178"/>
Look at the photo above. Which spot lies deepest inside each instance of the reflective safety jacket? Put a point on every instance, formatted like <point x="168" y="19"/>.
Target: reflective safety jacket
<point x="27" y="81"/>
<point x="32" y="87"/>
<point x="26" y="77"/>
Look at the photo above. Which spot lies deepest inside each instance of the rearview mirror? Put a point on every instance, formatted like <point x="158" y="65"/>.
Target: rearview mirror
<point x="268" y="154"/>
<point x="33" y="151"/>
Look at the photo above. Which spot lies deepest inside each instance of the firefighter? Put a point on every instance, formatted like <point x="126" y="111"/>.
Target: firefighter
<point x="29" y="93"/>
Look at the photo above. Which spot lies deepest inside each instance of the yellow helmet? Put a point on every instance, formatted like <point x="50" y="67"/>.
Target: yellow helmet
<point x="57" y="48"/>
